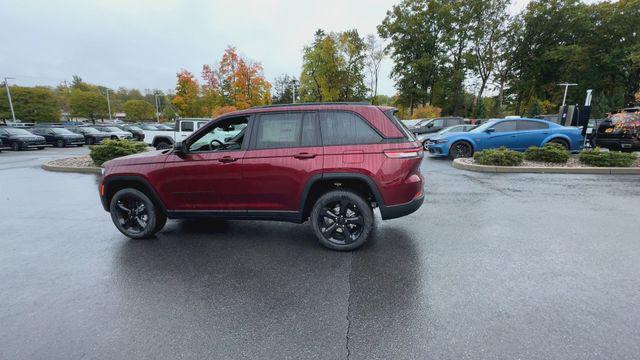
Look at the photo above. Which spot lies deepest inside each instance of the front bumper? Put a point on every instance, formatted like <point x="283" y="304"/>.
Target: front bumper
<point x="438" y="149"/>
<point x="396" y="211"/>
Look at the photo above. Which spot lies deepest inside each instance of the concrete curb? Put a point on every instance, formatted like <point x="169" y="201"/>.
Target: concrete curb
<point x="458" y="164"/>
<point x="81" y="170"/>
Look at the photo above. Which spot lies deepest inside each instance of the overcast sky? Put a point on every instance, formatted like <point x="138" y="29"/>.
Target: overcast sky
<point x="143" y="43"/>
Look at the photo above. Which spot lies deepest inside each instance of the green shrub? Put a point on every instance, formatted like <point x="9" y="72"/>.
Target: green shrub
<point x="554" y="153"/>
<point x="111" y="149"/>
<point x="498" y="157"/>
<point x="599" y="158"/>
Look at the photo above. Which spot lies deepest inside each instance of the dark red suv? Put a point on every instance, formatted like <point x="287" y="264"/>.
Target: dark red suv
<point x="331" y="163"/>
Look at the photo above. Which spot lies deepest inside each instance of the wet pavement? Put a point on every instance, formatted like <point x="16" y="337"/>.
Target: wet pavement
<point x="493" y="266"/>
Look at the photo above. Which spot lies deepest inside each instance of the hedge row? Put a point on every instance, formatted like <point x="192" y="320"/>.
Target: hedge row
<point x="111" y="149"/>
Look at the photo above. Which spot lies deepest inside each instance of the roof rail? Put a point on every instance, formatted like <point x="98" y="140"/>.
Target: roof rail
<point x="313" y="104"/>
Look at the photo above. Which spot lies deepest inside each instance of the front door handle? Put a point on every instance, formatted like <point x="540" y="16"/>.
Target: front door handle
<point x="304" y="155"/>
<point x="227" y="159"/>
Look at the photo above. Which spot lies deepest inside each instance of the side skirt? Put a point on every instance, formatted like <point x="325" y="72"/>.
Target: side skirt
<point x="276" y="215"/>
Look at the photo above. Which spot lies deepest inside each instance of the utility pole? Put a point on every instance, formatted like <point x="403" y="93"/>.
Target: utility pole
<point x="157" y="107"/>
<point x="6" y="84"/>
<point x="67" y="86"/>
<point x="293" y="87"/>
<point x="566" y="88"/>
<point x="109" y="105"/>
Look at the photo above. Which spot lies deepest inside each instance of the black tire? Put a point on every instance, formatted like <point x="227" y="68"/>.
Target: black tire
<point x="135" y="215"/>
<point x="114" y="138"/>
<point x="342" y="220"/>
<point x="424" y="145"/>
<point x="60" y="143"/>
<point x="460" y="149"/>
<point x="162" y="145"/>
<point x="562" y="142"/>
<point x="15" y="146"/>
<point x="90" y="141"/>
<point x="80" y="145"/>
<point x="40" y="147"/>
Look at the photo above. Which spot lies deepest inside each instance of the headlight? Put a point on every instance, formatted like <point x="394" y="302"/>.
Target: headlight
<point x="442" y="141"/>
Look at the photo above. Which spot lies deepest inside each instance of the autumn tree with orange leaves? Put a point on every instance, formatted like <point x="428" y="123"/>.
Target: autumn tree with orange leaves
<point x="236" y="82"/>
<point x="187" y="99"/>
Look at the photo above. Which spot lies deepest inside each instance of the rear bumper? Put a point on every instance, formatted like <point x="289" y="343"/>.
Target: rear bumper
<point x="396" y="211"/>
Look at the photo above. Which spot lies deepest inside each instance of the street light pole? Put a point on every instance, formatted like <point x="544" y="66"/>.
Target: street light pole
<point x="6" y="84"/>
<point x="157" y="107"/>
<point x="109" y="105"/>
<point x="293" y="87"/>
<point x="566" y="88"/>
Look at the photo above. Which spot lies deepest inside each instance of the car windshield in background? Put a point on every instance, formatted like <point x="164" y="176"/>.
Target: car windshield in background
<point x="134" y="128"/>
<point x="14" y="131"/>
<point x="89" y="130"/>
<point x="61" y="131"/>
<point x="112" y="129"/>
<point x="150" y="127"/>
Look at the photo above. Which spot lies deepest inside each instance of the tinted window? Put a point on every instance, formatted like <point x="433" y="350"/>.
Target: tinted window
<point x="451" y="122"/>
<point x="281" y="130"/>
<point x="505" y="126"/>
<point x="438" y="123"/>
<point x="531" y="125"/>
<point x="310" y="131"/>
<point x="342" y="128"/>
<point x="186" y="126"/>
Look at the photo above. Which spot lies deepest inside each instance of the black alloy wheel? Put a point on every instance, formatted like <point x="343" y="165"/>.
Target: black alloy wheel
<point x="560" y="142"/>
<point x="135" y="215"/>
<point x="342" y="220"/>
<point x="461" y="149"/>
<point x="60" y="143"/>
<point x="162" y="145"/>
<point x="15" y="146"/>
<point x="90" y="141"/>
<point x="425" y="146"/>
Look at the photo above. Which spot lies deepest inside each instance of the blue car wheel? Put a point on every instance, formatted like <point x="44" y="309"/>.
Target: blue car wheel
<point x="461" y="149"/>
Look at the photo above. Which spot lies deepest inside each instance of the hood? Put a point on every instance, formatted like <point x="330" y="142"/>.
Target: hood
<point x="147" y="157"/>
<point x="26" y="137"/>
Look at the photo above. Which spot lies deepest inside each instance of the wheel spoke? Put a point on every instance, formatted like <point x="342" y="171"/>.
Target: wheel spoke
<point x="330" y="214"/>
<point x="122" y="207"/>
<point x="141" y="223"/>
<point x="330" y="229"/>
<point x="343" y="207"/>
<point x="357" y="220"/>
<point x="347" y="234"/>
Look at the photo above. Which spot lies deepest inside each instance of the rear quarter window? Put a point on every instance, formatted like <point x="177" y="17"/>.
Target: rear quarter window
<point x="346" y="128"/>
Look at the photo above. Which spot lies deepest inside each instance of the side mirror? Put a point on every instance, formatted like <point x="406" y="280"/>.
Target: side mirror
<point x="430" y="125"/>
<point x="490" y="130"/>
<point x="178" y="148"/>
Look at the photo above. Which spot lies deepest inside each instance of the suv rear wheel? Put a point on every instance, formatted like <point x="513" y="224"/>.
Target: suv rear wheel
<point x="342" y="220"/>
<point x="135" y="215"/>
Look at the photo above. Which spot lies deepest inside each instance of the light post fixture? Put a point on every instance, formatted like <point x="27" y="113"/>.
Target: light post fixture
<point x="6" y="84"/>
<point x="566" y="88"/>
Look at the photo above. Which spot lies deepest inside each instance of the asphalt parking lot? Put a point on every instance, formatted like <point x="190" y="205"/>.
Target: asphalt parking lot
<point x="493" y="266"/>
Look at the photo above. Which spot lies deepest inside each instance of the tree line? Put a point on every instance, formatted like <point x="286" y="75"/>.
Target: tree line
<point x="468" y="58"/>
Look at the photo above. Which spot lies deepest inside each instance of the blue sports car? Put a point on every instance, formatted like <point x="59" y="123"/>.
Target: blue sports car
<point x="515" y="134"/>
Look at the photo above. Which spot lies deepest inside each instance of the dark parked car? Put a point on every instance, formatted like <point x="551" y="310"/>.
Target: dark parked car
<point x="20" y="139"/>
<point x="1" y="145"/>
<point x="327" y="163"/>
<point x="620" y="131"/>
<point x="135" y="130"/>
<point x="91" y="135"/>
<point x="435" y="125"/>
<point x="58" y="136"/>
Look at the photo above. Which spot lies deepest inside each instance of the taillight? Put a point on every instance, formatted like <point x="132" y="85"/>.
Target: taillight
<point x="102" y="189"/>
<point x="404" y="153"/>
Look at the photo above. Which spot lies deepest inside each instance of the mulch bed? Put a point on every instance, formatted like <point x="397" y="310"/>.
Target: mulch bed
<point x="79" y="162"/>
<point x="572" y="163"/>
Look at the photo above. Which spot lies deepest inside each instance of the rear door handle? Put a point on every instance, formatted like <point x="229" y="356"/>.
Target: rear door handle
<point x="304" y="155"/>
<point x="227" y="159"/>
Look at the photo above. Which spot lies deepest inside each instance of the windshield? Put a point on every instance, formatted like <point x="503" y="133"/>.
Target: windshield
<point x="112" y="129"/>
<point x="61" y="131"/>
<point x="134" y="128"/>
<point x="483" y="127"/>
<point x="89" y="130"/>
<point x="150" y="127"/>
<point x="14" y="131"/>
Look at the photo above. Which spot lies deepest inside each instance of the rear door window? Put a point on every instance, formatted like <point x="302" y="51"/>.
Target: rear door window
<point x="279" y="130"/>
<point x="345" y="128"/>
<point x="186" y="126"/>
<point x="531" y="125"/>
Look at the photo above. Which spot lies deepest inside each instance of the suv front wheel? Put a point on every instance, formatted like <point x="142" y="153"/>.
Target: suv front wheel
<point x="135" y="215"/>
<point x="342" y="220"/>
